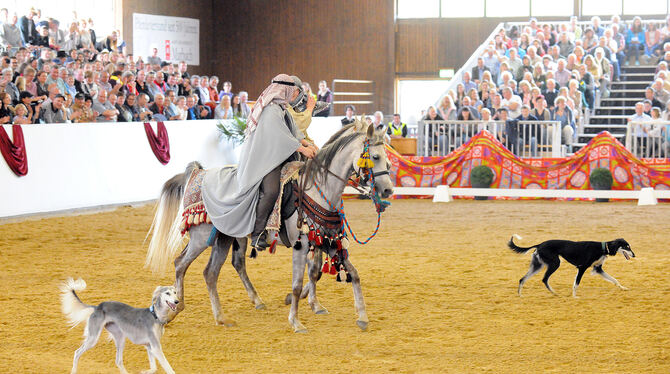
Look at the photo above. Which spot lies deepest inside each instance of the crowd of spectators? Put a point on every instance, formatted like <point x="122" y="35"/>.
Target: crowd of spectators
<point x="553" y="72"/>
<point x="56" y="74"/>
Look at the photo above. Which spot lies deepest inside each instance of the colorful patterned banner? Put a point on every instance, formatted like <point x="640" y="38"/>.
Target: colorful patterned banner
<point x="510" y="171"/>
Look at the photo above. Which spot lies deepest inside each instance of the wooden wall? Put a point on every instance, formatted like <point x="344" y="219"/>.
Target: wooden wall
<point x="313" y="39"/>
<point x="199" y="9"/>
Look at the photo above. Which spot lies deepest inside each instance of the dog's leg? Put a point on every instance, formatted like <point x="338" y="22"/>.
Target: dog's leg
<point x="599" y="269"/>
<point x="552" y="265"/>
<point x="93" y="329"/>
<point x="120" y="342"/>
<point x="535" y="267"/>
<point x="196" y="245"/>
<point x="239" y="263"/>
<point x="359" y="303"/>
<point x="152" y="362"/>
<point x="299" y="259"/>
<point x="157" y="351"/>
<point x="211" y="273"/>
<point x="578" y="278"/>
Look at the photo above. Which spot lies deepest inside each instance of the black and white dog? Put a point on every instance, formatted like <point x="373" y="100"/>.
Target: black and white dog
<point x="581" y="254"/>
<point x="142" y="326"/>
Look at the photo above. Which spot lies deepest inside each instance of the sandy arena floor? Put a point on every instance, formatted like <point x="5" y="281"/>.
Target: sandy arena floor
<point x="439" y="283"/>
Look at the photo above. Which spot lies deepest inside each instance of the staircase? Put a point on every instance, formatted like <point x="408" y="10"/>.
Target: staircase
<point x="612" y="113"/>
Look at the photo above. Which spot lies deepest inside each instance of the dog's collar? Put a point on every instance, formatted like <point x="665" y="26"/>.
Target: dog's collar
<point x="605" y="249"/>
<point x="153" y="312"/>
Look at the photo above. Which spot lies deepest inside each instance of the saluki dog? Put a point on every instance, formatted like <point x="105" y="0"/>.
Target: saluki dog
<point x="143" y="326"/>
<point x="581" y="254"/>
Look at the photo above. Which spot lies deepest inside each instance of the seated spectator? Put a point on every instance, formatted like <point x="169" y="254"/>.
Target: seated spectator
<point x="10" y="35"/>
<point x="635" y="41"/>
<point x="349" y="113"/>
<point x="195" y="111"/>
<point x="650" y="94"/>
<point x="53" y="111"/>
<point x="639" y="128"/>
<point x="182" y="109"/>
<point x="447" y="109"/>
<point x="589" y="86"/>
<point x="79" y="111"/>
<point x="511" y="102"/>
<point x="6" y="85"/>
<point x="660" y="93"/>
<point x="397" y="128"/>
<point x="224" y="110"/>
<point x="6" y="112"/>
<point x="244" y="106"/>
<point x="437" y="134"/>
<point x="158" y="108"/>
<point x="107" y="111"/>
<point x="171" y="111"/>
<point x="540" y="111"/>
<point x="142" y="112"/>
<point x="21" y="115"/>
<point x="213" y="89"/>
<point x="227" y="90"/>
<point x="32" y="104"/>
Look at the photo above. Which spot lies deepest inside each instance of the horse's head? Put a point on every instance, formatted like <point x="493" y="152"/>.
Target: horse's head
<point x="380" y="165"/>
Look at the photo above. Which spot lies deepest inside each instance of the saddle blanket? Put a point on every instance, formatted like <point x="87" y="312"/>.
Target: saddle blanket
<point x="289" y="172"/>
<point x="194" y="209"/>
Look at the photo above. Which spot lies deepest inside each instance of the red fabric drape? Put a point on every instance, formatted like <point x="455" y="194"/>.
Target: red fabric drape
<point x="160" y="143"/>
<point x="14" y="152"/>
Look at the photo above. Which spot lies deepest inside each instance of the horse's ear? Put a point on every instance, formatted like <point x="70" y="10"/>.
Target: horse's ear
<point x="371" y="130"/>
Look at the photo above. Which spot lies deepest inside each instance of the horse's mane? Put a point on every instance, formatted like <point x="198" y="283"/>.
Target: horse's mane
<point x="324" y="158"/>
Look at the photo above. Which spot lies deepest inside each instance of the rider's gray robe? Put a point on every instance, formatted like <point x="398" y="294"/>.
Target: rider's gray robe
<point x="231" y="193"/>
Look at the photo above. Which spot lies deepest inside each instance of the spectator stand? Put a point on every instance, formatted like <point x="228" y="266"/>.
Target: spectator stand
<point x="653" y="142"/>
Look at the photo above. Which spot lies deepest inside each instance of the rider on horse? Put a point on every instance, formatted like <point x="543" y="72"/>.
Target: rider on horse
<point x="239" y="200"/>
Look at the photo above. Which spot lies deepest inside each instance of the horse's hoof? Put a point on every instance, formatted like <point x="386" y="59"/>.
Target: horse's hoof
<point x="322" y="311"/>
<point x="623" y="288"/>
<point x="363" y="325"/>
<point x="300" y="330"/>
<point x="227" y="323"/>
<point x="260" y="306"/>
<point x="289" y="299"/>
<point x="149" y="371"/>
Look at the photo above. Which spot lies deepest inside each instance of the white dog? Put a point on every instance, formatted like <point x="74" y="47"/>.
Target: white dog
<point x="142" y="326"/>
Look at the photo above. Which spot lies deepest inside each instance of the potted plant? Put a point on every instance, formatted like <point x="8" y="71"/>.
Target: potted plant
<point x="235" y="131"/>
<point x="481" y="176"/>
<point x="601" y="179"/>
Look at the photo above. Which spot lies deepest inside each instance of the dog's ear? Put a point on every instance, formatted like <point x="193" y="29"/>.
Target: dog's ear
<point x="156" y="295"/>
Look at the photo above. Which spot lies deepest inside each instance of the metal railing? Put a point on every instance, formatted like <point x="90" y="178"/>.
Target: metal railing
<point x="363" y="95"/>
<point x="527" y="139"/>
<point x="648" y="139"/>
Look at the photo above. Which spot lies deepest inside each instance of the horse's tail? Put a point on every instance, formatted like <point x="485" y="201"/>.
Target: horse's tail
<point x="165" y="230"/>
<point x="516" y="248"/>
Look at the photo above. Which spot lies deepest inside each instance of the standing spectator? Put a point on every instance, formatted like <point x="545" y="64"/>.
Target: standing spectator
<point x="640" y="130"/>
<point x="86" y="39"/>
<point x="10" y="35"/>
<point x="27" y="27"/>
<point x="56" y="35"/>
<point x="467" y="83"/>
<point x="154" y="59"/>
<point x="564" y="115"/>
<point x="478" y="71"/>
<point x="203" y="90"/>
<point x="437" y="134"/>
<point x="588" y="82"/>
<point x="397" y="128"/>
<point x="183" y="67"/>
<point x="492" y="62"/>
<point x="324" y="95"/>
<point x="529" y="132"/>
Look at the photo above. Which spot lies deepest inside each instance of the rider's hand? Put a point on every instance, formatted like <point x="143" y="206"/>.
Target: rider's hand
<point x="307" y="151"/>
<point x="311" y="103"/>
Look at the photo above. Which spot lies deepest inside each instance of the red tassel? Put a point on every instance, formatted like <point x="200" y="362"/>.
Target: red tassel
<point x="318" y="241"/>
<point x="326" y="267"/>
<point x="333" y="270"/>
<point x="339" y="244"/>
<point x="311" y="236"/>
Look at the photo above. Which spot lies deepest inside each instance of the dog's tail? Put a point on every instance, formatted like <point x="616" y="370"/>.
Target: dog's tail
<point x="516" y="248"/>
<point x="165" y="230"/>
<point x="74" y="309"/>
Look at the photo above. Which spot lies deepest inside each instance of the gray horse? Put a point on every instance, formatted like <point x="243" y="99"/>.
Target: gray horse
<point x="338" y="158"/>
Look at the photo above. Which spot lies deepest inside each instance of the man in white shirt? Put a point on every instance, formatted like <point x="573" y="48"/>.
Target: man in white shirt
<point x="512" y="102"/>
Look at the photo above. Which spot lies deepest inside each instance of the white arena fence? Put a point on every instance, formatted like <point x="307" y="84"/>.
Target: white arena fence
<point x="526" y="139"/>
<point x="648" y="139"/>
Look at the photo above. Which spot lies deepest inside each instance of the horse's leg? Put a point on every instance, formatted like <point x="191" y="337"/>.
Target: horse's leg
<point x="362" y="321"/>
<point x="218" y="257"/>
<point x="299" y="259"/>
<point x="307" y="289"/>
<point x="239" y="263"/>
<point x="313" y="270"/>
<point x="196" y="245"/>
